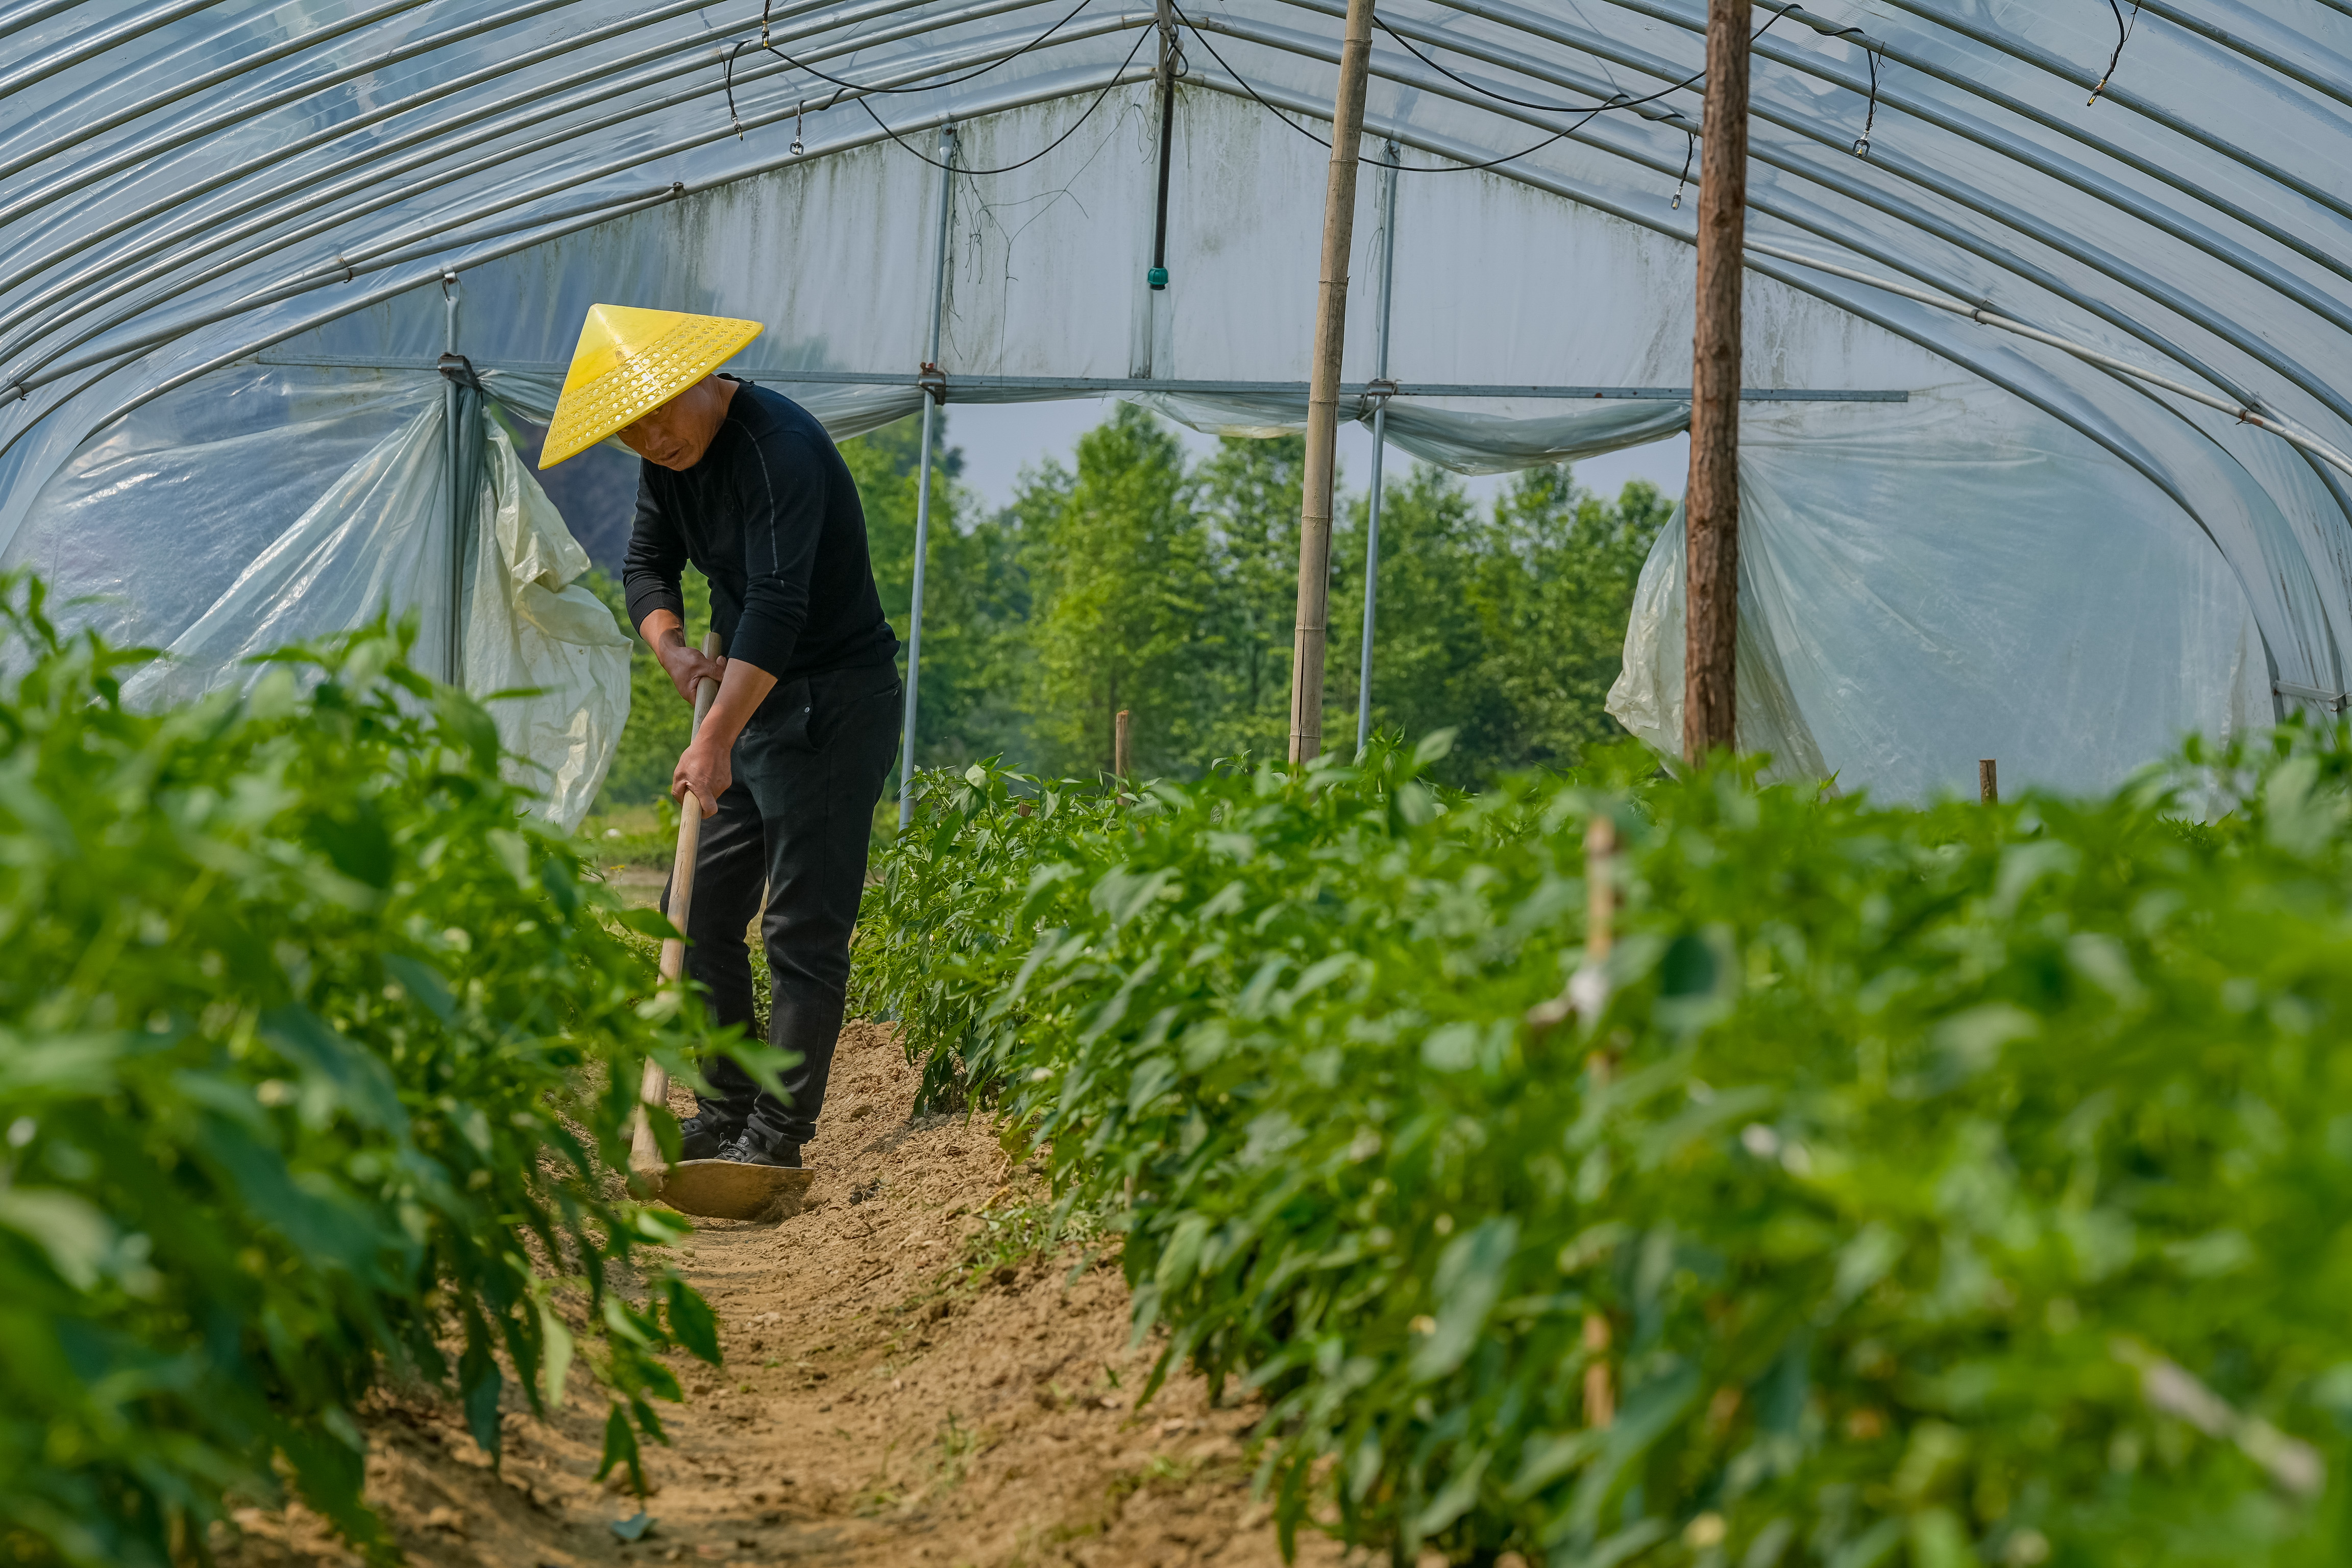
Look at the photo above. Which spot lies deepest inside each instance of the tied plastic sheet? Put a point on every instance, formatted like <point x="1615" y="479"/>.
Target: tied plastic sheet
<point x="1900" y="619"/>
<point x="294" y="504"/>
<point x="533" y="628"/>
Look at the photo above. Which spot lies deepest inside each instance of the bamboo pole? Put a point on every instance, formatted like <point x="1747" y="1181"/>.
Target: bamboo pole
<point x="1712" y="499"/>
<point x="1989" y="782"/>
<point x="1122" y="758"/>
<point x="1313" y="631"/>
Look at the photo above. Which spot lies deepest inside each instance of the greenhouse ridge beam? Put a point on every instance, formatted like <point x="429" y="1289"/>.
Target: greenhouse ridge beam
<point x="945" y="387"/>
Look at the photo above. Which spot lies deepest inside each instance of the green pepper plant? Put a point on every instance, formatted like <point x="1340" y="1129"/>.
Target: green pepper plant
<point x="317" y="1058"/>
<point x="1950" y="1184"/>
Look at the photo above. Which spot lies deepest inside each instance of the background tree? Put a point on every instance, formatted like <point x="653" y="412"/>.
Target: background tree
<point x="1123" y="582"/>
<point x="1134" y="580"/>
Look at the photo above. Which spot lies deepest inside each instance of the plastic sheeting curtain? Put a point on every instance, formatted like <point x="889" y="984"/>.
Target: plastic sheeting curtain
<point x="292" y="504"/>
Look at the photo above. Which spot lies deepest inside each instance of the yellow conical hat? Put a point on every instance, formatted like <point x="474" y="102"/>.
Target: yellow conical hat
<point x="631" y="362"/>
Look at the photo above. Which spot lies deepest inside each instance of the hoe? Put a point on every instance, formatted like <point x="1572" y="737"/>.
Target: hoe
<point x="715" y="1189"/>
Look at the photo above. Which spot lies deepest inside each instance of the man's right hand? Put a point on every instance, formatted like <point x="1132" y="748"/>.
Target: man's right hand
<point x="689" y="666"/>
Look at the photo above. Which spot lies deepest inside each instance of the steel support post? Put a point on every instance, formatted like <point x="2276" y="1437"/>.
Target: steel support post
<point x="1393" y="153"/>
<point x="923" y="480"/>
<point x="452" y="453"/>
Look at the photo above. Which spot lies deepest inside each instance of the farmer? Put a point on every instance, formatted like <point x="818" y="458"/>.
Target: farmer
<point x="791" y="761"/>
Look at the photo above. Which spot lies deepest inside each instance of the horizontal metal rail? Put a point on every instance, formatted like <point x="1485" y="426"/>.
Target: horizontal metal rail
<point x="950" y="383"/>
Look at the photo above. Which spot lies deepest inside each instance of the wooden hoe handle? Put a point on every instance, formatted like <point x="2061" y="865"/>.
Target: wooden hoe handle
<point x="644" y="1153"/>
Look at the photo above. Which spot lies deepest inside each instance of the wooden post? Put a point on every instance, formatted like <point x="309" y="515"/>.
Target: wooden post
<point x="1323" y="391"/>
<point x="1122" y="757"/>
<point x="1712" y="501"/>
<point x="1989" y="782"/>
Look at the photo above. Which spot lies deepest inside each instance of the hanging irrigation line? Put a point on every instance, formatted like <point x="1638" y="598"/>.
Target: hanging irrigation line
<point x="385" y="194"/>
<point x="1616" y="102"/>
<point x="1109" y="88"/>
<point x="2122" y="36"/>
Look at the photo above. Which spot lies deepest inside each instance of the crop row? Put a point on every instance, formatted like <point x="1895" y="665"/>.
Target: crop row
<point x="1955" y="1185"/>
<point x="315" y="1058"/>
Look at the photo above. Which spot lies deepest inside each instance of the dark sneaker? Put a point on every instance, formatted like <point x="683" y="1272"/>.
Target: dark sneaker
<point x="749" y="1149"/>
<point x="703" y="1134"/>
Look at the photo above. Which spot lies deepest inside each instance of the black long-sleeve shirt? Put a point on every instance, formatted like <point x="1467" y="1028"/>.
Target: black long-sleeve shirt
<point x="770" y="516"/>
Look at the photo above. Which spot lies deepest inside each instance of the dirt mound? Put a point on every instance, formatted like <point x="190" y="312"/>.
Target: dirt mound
<point x="905" y="1382"/>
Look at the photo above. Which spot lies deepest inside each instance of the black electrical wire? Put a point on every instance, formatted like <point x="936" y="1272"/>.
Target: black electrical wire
<point x="2122" y="36"/>
<point x="1869" y="120"/>
<point x="1614" y="103"/>
<point x="762" y="42"/>
<point x="1032" y="157"/>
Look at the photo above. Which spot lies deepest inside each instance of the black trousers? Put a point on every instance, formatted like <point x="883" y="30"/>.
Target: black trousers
<point x="809" y="770"/>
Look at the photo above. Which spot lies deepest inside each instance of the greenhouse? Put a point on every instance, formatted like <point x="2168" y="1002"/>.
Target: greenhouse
<point x="2044" y="446"/>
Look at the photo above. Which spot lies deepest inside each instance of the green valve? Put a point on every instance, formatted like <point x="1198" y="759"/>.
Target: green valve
<point x="1157" y="278"/>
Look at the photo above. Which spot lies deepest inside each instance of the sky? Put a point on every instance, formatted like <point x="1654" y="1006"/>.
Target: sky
<point x="1000" y="439"/>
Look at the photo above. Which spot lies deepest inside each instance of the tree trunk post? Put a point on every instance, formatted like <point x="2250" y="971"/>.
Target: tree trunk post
<point x="1712" y="503"/>
<point x="1313" y="629"/>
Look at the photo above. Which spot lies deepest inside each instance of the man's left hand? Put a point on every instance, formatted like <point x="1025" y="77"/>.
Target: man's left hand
<point x="705" y="767"/>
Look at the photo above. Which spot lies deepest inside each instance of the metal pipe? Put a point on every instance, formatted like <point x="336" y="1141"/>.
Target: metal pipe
<point x="2285" y="65"/>
<point x="1781" y="55"/>
<point x="597" y="87"/>
<point x="990" y="104"/>
<point x="1379" y="441"/>
<point x="144" y="152"/>
<point x="2073" y="175"/>
<point x="923" y="480"/>
<point x="452" y="448"/>
<point x="388" y="194"/>
<point x="2252" y="345"/>
<point x="28" y="15"/>
<point x="617" y="207"/>
<point x="2066" y="71"/>
<point x="948" y="387"/>
<point x="96" y="44"/>
<point x="1446" y="147"/>
<point x="2244" y="415"/>
<point x="245" y="62"/>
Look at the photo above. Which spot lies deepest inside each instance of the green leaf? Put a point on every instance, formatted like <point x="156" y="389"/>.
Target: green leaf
<point x="1469" y="1281"/>
<point x="692" y="1321"/>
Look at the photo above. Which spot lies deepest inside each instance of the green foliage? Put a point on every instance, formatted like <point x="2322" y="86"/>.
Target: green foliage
<point x="660" y="722"/>
<point x="1953" y="1186"/>
<point x="316" y="1058"/>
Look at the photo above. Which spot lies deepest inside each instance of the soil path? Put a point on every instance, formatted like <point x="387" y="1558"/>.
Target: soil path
<point x="897" y="1390"/>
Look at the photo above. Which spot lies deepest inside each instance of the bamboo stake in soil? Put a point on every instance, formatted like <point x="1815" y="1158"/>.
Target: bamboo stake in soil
<point x="1323" y="391"/>
<point x="1712" y="503"/>
<point x="1122" y="758"/>
<point x="1989" y="782"/>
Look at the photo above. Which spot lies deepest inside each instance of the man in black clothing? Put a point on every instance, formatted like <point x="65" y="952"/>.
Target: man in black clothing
<point x="745" y="484"/>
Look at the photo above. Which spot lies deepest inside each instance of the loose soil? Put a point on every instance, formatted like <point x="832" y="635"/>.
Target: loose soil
<point x="895" y="1392"/>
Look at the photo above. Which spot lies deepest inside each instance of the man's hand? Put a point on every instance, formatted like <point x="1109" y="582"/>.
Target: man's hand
<point x="687" y="666"/>
<point x="705" y="768"/>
